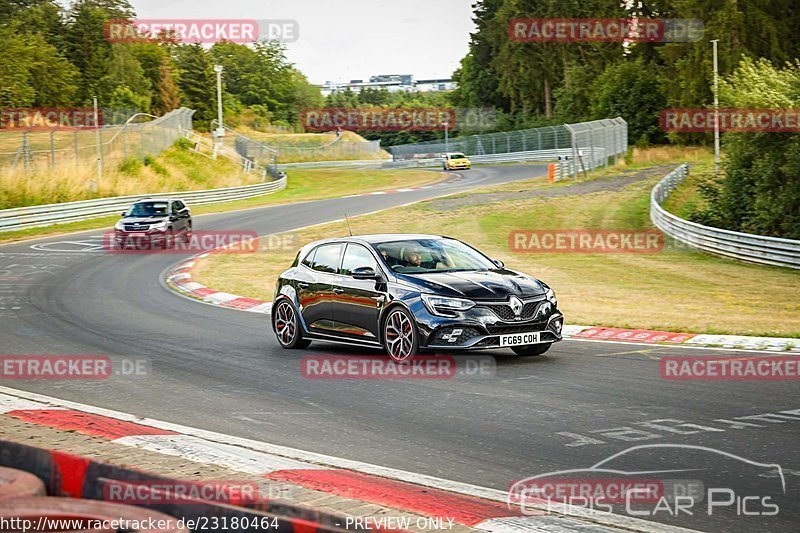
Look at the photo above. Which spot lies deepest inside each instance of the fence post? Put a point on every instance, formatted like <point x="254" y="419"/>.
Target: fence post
<point x="75" y="146"/>
<point x="574" y="143"/>
<point x="52" y="149"/>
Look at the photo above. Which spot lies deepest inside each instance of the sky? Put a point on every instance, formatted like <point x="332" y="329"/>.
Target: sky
<point x="342" y="40"/>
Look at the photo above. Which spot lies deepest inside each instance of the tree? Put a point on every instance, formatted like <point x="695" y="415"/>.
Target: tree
<point x="760" y="192"/>
<point x="35" y="74"/>
<point x="86" y="47"/>
<point x="123" y="71"/>
<point x="631" y="89"/>
<point x="197" y="82"/>
<point x="159" y="68"/>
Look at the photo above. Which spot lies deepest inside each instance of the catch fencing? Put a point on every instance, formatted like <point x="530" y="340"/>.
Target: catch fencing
<point x="140" y="136"/>
<point x="584" y="146"/>
<point x="743" y="246"/>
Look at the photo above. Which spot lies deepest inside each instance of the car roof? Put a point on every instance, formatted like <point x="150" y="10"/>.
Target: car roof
<point x="377" y="238"/>
<point x="172" y="199"/>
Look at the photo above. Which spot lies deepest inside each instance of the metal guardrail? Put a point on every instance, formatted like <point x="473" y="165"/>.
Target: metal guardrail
<point x="743" y="246"/>
<point x="589" y="144"/>
<point x="46" y="215"/>
<point x="512" y="157"/>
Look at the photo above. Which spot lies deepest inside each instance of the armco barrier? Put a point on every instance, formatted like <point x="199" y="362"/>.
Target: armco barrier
<point x="45" y="215"/>
<point x="511" y="157"/>
<point x="743" y="246"/>
<point x="80" y="477"/>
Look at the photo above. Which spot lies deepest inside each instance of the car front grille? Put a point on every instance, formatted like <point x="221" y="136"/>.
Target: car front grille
<point x="131" y="227"/>
<point x="504" y="312"/>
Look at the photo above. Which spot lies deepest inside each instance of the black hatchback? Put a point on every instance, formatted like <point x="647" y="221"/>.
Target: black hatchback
<point x="407" y="293"/>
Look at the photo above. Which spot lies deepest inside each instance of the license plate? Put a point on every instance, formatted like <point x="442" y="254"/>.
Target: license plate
<point x="520" y="339"/>
<point x="136" y="235"/>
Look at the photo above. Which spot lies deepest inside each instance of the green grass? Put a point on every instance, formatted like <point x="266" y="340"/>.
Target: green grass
<point x="302" y="185"/>
<point x="674" y="289"/>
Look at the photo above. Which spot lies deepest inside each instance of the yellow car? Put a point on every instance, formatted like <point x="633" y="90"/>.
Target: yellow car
<point x="455" y="161"/>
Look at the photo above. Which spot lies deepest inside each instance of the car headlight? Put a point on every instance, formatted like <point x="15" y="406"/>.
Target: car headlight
<point x="119" y="225"/>
<point x="160" y="226"/>
<point x="551" y="297"/>
<point x="443" y="306"/>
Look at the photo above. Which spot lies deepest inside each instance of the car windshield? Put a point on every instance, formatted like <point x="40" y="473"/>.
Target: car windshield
<point x="432" y="255"/>
<point x="147" y="209"/>
<point x="457" y="156"/>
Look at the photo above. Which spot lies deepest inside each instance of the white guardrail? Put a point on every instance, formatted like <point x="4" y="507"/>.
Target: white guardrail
<point x="743" y="246"/>
<point x="46" y="215"/>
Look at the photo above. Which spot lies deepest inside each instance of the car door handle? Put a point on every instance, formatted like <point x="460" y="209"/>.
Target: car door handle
<point x="302" y="285"/>
<point x="338" y="290"/>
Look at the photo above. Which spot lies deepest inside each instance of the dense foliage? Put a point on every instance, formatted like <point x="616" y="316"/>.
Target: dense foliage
<point x="531" y="82"/>
<point x="51" y="56"/>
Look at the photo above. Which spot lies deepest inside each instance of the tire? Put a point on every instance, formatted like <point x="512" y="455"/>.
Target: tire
<point x="532" y="350"/>
<point x="169" y="237"/>
<point x="400" y="335"/>
<point x="287" y="327"/>
<point x="187" y="234"/>
<point x="19" y="484"/>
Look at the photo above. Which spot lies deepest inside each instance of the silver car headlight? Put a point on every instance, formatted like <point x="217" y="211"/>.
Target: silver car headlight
<point x="119" y="225"/>
<point x="160" y="226"/>
<point x="443" y="306"/>
<point x="551" y="297"/>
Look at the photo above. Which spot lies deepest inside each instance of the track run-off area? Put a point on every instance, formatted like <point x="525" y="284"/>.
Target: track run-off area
<point x="222" y="371"/>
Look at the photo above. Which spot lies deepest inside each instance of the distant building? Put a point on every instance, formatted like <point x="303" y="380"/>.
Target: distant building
<point x="390" y="82"/>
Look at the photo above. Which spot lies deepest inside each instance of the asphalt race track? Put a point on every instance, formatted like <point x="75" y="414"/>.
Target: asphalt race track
<point x="222" y="370"/>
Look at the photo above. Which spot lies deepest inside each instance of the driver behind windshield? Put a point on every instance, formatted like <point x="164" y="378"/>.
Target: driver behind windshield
<point x="412" y="258"/>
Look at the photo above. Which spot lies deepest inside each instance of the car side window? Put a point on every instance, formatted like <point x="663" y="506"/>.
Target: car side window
<point x="356" y="256"/>
<point x="309" y="260"/>
<point x="175" y="209"/>
<point x="179" y="205"/>
<point x="327" y="258"/>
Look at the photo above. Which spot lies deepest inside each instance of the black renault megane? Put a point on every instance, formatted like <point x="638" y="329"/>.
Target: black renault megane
<point x="407" y="293"/>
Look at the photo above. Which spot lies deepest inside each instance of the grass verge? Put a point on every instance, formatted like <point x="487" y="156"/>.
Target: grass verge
<point x="302" y="185"/>
<point x="674" y="290"/>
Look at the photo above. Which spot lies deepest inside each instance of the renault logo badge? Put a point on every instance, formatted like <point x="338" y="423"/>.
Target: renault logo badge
<point x="516" y="306"/>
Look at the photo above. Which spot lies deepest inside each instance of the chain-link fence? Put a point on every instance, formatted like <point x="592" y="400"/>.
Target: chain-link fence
<point x="337" y="149"/>
<point x="250" y="150"/>
<point x="141" y="135"/>
<point x="583" y="146"/>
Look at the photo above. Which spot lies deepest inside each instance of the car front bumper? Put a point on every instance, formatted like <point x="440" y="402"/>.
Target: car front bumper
<point x="480" y="328"/>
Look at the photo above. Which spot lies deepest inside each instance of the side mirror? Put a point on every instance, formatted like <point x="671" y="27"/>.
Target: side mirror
<point x="499" y="263"/>
<point x="364" y="273"/>
<point x="124" y="213"/>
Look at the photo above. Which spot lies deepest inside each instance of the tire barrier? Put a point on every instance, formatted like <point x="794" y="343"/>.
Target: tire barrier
<point x="16" y="483"/>
<point x="80" y="477"/>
